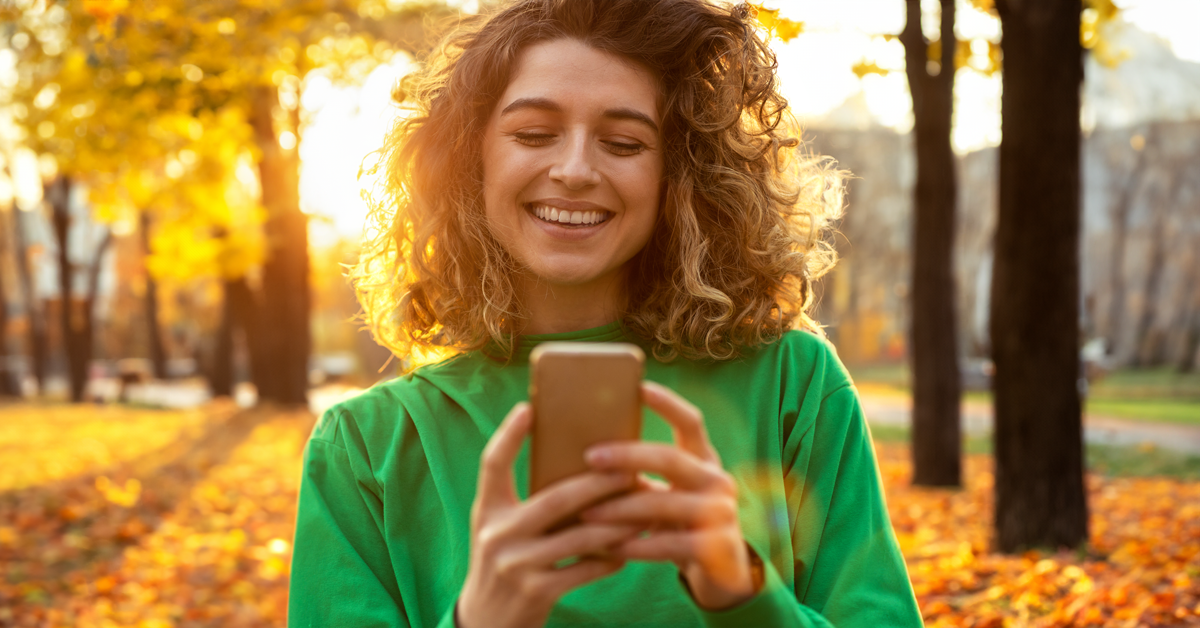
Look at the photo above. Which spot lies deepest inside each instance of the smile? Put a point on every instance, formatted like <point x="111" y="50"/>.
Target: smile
<point x="558" y="216"/>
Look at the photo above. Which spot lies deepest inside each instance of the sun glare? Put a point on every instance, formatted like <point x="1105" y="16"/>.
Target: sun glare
<point x="348" y="123"/>
<point x="817" y="77"/>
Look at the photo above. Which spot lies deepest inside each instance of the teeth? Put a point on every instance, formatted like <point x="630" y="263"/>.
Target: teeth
<point x="553" y="214"/>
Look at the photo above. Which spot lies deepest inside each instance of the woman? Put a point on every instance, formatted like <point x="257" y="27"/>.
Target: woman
<point x="600" y="170"/>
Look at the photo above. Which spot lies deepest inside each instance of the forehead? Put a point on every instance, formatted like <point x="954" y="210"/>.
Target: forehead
<point x="578" y="76"/>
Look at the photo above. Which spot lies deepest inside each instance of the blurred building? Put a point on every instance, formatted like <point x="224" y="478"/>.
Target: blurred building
<point x="1141" y="218"/>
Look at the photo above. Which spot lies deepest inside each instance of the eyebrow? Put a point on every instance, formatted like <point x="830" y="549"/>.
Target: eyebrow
<point x="545" y="104"/>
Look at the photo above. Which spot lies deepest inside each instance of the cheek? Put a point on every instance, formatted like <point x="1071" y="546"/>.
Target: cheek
<point x="506" y="173"/>
<point x="500" y="184"/>
<point x="644" y="192"/>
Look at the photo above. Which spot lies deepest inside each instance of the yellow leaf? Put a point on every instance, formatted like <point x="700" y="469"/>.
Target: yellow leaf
<point x="987" y="6"/>
<point x="787" y="30"/>
<point x="864" y="67"/>
<point x="781" y="27"/>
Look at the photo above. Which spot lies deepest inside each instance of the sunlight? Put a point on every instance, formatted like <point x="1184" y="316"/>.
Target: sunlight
<point x="346" y="124"/>
<point x="816" y="75"/>
<point x="1173" y="20"/>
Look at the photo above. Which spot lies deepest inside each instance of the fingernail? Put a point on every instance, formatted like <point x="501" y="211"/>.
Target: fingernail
<point x="598" y="456"/>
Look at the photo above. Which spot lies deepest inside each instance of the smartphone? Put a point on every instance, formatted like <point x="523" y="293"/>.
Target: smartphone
<point x="582" y="393"/>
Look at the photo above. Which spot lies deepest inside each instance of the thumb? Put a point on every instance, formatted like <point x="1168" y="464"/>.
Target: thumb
<point x="496" y="485"/>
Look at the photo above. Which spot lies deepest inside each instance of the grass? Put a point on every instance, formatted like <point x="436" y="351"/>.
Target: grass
<point x="1157" y="395"/>
<point x="1142" y="461"/>
<point x="1162" y="410"/>
<point x="1106" y="460"/>
<point x="897" y="434"/>
<point x="1148" y="383"/>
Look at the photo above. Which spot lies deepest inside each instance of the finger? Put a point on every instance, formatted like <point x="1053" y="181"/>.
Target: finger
<point x="681" y="468"/>
<point x="496" y="485"/>
<point x="673" y="509"/>
<point x="722" y="560"/>
<point x="558" y="582"/>
<point x="678" y="546"/>
<point x="683" y="546"/>
<point x="685" y="418"/>
<point x="567" y="497"/>
<point x="578" y="540"/>
<point x="646" y="483"/>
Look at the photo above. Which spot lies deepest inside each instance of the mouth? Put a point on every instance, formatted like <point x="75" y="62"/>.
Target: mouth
<point x="567" y="218"/>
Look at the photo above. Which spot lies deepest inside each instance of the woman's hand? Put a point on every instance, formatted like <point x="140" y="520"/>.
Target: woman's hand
<point x="693" y="520"/>
<point x="512" y="580"/>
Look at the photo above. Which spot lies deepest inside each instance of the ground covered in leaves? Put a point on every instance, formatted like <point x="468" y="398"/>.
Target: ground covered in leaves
<point x="132" y="517"/>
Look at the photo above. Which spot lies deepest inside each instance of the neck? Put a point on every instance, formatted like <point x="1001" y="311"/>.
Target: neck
<point x="561" y="308"/>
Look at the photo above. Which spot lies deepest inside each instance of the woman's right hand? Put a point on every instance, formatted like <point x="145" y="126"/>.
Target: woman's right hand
<point x="512" y="580"/>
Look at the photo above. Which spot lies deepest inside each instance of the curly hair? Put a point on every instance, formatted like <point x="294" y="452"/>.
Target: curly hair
<point x="743" y="224"/>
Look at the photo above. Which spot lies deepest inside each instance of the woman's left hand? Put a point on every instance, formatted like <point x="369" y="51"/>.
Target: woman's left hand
<point x="693" y="518"/>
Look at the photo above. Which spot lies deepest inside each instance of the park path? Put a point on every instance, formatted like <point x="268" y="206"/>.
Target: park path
<point x="896" y="410"/>
<point x="881" y="408"/>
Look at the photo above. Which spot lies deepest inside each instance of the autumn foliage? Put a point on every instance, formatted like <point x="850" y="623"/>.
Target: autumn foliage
<point x="1141" y="568"/>
<point x="131" y="517"/>
<point x="147" y="518"/>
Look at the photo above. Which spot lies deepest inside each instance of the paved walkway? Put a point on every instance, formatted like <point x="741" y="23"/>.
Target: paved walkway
<point x="977" y="418"/>
<point x="880" y="408"/>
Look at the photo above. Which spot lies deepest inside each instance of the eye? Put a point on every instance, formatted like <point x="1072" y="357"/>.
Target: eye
<point x="534" y="139"/>
<point x="624" y="148"/>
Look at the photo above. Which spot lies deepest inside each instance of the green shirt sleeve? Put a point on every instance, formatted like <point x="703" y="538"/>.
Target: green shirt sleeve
<point x="848" y="568"/>
<point x="342" y="574"/>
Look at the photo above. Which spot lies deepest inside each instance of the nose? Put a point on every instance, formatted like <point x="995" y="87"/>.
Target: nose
<point x="573" y="165"/>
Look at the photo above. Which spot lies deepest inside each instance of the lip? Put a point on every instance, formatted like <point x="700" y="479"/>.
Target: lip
<point x="572" y="233"/>
<point x="570" y="205"/>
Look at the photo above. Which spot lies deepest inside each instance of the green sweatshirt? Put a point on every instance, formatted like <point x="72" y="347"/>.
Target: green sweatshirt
<point x="383" y="533"/>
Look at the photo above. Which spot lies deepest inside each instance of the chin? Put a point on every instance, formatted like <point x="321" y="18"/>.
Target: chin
<point x="560" y="272"/>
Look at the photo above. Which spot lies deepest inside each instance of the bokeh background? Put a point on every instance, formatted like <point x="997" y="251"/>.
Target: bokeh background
<point x="181" y="185"/>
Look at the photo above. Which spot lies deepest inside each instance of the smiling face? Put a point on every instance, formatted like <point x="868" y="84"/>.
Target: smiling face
<point x="572" y="163"/>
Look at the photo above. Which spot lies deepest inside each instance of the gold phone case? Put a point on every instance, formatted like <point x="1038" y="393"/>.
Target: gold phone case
<point x="582" y="393"/>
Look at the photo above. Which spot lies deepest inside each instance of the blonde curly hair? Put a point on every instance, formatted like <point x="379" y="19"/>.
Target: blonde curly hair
<point x="745" y="214"/>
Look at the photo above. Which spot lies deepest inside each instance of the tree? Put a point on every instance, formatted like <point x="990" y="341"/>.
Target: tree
<point x="1191" y="340"/>
<point x="158" y="355"/>
<point x="127" y="93"/>
<point x="77" y="315"/>
<point x="34" y="312"/>
<point x="9" y="383"/>
<point x="1040" y="499"/>
<point x="1121" y="210"/>
<point x="936" y="436"/>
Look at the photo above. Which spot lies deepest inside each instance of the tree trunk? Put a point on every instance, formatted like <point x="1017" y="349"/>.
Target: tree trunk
<point x="158" y="354"/>
<point x="1186" y="362"/>
<point x="285" y="302"/>
<point x="76" y="344"/>
<point x="10" y="384"/>
<point x="38" y="350"/>
<point x="247" y="310"/>
<point x="1040" y="499"/>
<point x="220" y="371"/>
<point x="77" y="318"/>
<point x="1120" y="229"/>
<point x="1149" y="342"/>
<point x="1191" y="344"/>
<point x="89" y="304"/>
<point x="936" y="437"/>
